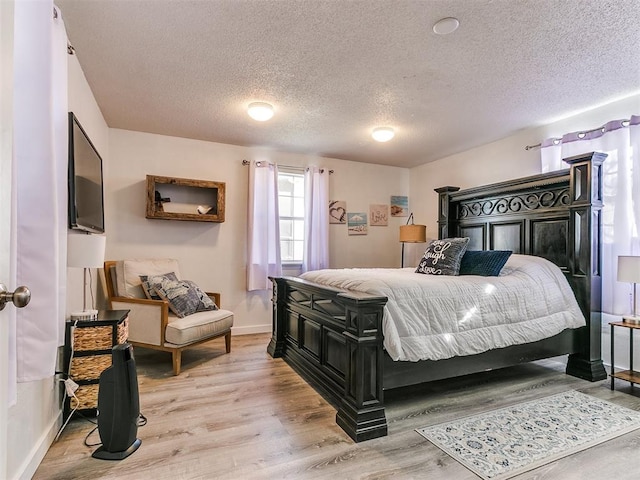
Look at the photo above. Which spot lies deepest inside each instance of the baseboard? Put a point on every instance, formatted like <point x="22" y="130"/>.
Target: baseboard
<point x="248" y="330"/>
<point x="28" y="468"/>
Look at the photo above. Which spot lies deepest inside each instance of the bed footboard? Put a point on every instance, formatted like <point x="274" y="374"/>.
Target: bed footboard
<point x="333" y="339"/>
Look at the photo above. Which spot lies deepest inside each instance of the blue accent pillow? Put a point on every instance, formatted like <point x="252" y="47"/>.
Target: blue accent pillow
<point x="487" y="263"/>
<point x="442" y="257"/>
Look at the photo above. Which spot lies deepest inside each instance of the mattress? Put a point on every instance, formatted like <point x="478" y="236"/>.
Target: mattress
<point x="433" y="317"/>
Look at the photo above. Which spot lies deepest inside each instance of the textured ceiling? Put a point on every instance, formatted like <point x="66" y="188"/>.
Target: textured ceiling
<point x="335" y="69"/>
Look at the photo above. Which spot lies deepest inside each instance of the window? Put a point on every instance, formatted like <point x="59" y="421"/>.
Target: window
<point x="291" y="211"/>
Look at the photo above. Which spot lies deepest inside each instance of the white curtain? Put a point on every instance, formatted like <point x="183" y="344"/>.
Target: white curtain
<point x="316" y="219"/>
<point x="264" y="226"/>
<point x="620" y="139"/>
<point x="40" y="166"/>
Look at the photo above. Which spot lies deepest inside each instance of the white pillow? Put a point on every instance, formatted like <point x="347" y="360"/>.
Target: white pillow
<point x="128" y="276"/>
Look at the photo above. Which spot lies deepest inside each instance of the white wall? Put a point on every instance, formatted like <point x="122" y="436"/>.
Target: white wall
<point x="214" y="254"/>
<point x="502" y="160"/>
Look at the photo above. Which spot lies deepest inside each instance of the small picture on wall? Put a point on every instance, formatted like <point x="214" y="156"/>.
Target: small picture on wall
<point x="357" y="223"/>
<point x="337" y="211"/>
<point x="399" y="206"/>
<point x="379" y="215"/>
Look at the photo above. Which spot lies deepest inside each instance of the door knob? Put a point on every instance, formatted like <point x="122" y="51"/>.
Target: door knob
<point x="20" y="297"/>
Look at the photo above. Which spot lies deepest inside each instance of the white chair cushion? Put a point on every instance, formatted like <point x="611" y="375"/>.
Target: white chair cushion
<point x="128" y="274"/>
<point x="197" y="326"/>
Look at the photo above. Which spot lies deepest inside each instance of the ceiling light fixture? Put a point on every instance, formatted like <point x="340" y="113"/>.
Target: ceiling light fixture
<point x="260" y="111"/>
<point x="446" y="26"/>
<point x="383" y="134"/>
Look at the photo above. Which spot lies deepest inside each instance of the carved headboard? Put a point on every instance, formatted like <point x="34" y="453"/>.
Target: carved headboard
<point x="529" y="218"/>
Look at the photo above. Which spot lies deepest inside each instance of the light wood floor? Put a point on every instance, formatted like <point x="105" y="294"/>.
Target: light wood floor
<point x="247" y="416"/>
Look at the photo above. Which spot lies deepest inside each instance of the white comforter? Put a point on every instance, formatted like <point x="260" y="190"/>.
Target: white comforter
<point x="436" y="317"/>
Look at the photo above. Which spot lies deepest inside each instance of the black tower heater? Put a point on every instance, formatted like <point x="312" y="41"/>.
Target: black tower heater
<point x="118" y="406"/>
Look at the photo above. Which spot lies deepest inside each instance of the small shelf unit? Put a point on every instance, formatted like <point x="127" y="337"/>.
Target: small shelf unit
<point x="87" y="353"/>
<point x="171" y="198"/>
<point x="630" y="375"/>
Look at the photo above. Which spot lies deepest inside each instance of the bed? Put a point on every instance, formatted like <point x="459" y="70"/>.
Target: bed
<point x="334" y="337"/>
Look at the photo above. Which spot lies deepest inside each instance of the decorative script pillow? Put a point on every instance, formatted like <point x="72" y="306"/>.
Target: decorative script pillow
<point x="442" y="257"/>
<point x="487" y="263"/>
<point x="149" y="280"/>
<point x="184" y="296"/>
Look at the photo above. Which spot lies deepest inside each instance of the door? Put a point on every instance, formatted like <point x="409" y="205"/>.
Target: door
<point x="6" y="131"/>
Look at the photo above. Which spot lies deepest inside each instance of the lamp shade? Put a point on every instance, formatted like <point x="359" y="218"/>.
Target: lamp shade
<point x="413" y="233"/>
<point x="85" y="250"/>
<point x="629" y="269"/>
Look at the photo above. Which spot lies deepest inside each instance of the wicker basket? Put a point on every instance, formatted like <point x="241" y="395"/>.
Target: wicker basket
<point x="123" y="331"/>
<point x="90" y="367"/>
<point x="86" y="396"/>
<point x="98" y="338"/>
<point x="92" y="338"/>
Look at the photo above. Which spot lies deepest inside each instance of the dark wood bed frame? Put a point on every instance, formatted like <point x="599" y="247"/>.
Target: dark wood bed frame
<point x="333" y="338"/>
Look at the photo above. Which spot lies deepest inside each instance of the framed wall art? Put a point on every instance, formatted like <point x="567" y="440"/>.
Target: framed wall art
<point x="378" y="215"/>
<point x="357" y="223"/>
<point x="399" y="206"/>
<point x="337" y="211"/>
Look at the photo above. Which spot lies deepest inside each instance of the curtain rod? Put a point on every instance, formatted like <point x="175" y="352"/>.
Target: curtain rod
<point x="624" y="123"/>
<point x="247" y="162"/>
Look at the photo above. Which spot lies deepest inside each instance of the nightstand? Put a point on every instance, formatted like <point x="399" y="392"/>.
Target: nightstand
<point x="629" y="375"/>
<point x="87" y="352"/>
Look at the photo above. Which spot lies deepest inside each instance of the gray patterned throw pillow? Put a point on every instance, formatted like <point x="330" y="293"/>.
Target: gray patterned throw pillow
<point x="149" y="280"/>
<point x="442" y="257"/>
<point x="184" y="296"/>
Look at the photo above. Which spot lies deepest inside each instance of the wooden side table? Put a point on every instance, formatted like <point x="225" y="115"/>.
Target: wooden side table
<point x="87" y="352"/>
<point x="629" y="375"/>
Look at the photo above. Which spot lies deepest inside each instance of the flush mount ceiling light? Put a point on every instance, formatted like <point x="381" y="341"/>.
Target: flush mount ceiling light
<point x="446" y="26"/>
<point x="383" y="134"/>
<point x="260" y="111"/>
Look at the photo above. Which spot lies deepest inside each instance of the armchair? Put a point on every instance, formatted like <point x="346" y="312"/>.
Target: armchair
<point x="151" y="322"/>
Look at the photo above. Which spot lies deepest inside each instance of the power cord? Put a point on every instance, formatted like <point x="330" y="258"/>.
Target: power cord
<point x="142" y="421"/>
<point x="70" y="414"/>
<point x="86" y="439"/>
<point x="93" y="300"/>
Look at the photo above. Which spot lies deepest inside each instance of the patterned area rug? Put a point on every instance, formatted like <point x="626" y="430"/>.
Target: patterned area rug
<point x="503" y="443"/>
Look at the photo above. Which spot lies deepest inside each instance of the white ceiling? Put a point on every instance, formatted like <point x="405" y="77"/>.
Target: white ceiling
<point x="335" y="69"/>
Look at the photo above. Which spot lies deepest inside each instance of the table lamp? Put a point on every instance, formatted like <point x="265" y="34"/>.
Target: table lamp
<point x="85" y="251"/>
<point x="411" y="233"/>
<point x="629" y="271"/>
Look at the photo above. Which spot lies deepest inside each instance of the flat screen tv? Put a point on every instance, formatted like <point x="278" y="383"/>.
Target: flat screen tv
<point x="86" y="197"/>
